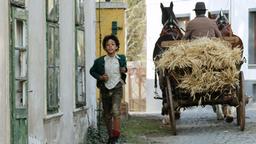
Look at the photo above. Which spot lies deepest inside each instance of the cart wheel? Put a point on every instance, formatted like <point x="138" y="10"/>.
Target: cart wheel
<point x="171" y="110"/>
<point x="241" y="107"/>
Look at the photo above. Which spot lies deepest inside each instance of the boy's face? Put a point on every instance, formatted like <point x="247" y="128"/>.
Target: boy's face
<point x="111" y="47"/>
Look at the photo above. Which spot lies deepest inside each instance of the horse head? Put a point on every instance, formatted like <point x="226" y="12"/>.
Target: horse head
<point x="170" y="30"/>
<point x="226" y="30"/>
<point x="224" y="25"/>
<point x="169" y="21"/>
<point x="168" y="16"/>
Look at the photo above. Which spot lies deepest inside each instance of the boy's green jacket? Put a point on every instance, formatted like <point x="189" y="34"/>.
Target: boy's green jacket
<point x="98" y="68"/>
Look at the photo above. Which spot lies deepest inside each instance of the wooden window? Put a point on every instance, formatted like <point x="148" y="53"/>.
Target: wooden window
<point x="20" y="62"/>
<point x="252" y="38"/>
<point x="19" y="3"/>
<point x="19" y="73"/>
<point x="20" y="56"/>
<point x="52" y="10"/>
<point x="182" y="21"/>
<point x="214" y="14"/>
<point x="80" y="54"/>
<point x="79" y="12"/>
<point x="254" y="91"/>
<point x="53" y="56"/>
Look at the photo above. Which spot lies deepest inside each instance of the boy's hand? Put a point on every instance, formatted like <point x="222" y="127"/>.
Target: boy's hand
<point x="104" y="77"/>
<point x="122" y="69"/>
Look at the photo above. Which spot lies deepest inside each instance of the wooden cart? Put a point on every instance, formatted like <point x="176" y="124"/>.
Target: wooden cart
<point x="174" y="101"/>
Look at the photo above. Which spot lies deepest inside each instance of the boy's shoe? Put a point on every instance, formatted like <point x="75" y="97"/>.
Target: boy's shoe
<point x="110" y="140"/>
<point x="113" y="140"/>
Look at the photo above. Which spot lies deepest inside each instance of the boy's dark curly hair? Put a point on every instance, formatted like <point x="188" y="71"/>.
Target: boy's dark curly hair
<point x="114" y="38"/>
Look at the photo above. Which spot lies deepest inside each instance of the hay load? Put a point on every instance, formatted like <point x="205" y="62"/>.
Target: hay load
<point x="203" y="66"/>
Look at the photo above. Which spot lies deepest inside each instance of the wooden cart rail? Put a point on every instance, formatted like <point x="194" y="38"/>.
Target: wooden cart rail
<point x="231" y="40"/>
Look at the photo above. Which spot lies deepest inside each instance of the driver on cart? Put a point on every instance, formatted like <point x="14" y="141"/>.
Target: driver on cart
<point x="201" y="26"/>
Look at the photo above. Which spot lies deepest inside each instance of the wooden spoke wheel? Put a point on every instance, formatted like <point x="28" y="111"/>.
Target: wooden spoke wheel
<point x="241" y="108"/>
<point x="171" y="109"/>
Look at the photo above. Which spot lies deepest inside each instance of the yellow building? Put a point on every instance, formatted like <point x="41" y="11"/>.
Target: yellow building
<point x="110" y="20"/>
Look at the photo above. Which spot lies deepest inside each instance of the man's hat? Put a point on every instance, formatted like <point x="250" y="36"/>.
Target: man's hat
<point x="200" y="6"/>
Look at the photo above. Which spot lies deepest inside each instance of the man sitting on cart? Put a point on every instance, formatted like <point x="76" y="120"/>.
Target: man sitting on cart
<point x="201" y="26"/>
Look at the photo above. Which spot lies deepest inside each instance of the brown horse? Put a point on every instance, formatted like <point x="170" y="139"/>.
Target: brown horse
<point x="224" y="26"/>
<point x="226" y="30"/>
<point x="170" y="31"/>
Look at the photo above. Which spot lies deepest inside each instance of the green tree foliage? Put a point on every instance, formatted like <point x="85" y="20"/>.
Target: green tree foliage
<point x="136" y="30"/>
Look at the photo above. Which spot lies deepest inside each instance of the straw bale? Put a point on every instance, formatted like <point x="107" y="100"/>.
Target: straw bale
<point x="212" y="63"/>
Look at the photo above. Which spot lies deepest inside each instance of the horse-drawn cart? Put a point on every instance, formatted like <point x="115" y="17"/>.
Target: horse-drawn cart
<point x="212" y="79"/>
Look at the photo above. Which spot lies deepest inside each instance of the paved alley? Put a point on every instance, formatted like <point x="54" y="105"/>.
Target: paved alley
<point x="199" y="126"/>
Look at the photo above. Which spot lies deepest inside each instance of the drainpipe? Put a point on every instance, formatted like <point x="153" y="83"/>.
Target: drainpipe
<point x="230" y="11"/>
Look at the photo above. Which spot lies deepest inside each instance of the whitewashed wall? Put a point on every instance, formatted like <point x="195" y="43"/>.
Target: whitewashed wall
<point x="90" y="50"/>
<point x="70" y="124"/>
<point x="37" y="70"/>
<point x="4" y="73"/>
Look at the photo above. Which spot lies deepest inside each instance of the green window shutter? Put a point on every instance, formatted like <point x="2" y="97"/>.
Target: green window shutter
<point x="53" y="56"/>
<point x="19" y="3"/>
<point x="19" y="64"/>
<point x="79" y="11"/>
<point x="80" y="68"/>
<point x="53" y="72"/>
<point x="52" y="10"/>
<point x="19" y="73"/>
<point x="80" y="96"/>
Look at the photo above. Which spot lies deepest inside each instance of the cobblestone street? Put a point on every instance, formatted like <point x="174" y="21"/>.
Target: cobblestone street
<point x="200" y="126"/>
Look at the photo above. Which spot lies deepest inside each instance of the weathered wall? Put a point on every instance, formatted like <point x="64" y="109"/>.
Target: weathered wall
<point x="70" y="124"/>
<point x="90" y="52"/>
<point x="37" y="70"/>
<point x="4" y="73"/>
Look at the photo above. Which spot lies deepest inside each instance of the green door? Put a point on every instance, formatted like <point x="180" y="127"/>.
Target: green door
<point x="18" y="75"/>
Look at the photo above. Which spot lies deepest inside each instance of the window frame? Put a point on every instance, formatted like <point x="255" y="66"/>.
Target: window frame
<point x="183" y="17"/>
<point x="79" y="12"/>
<point x="18" y="82"/>
<point x="53" y="102"/>
<point x="55" y="16"/>
<point x="79" y="26"/>
<point x="20" y="68"/>
<point x="252" y="38"/>
<point x="19" y="3"/>
<point x="52" y="60"/>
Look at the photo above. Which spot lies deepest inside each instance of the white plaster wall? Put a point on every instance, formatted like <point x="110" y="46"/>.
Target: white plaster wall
<point x="4" y="74"/>
<point x="90" y="53"/>
<point x="239" y="21"/>
<point x="70" y="124"/>
<point x="36" y="70"/>
<point x="154" y="25"/>
<point x="67" y="70"/>
<point x="240" y="14"/>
